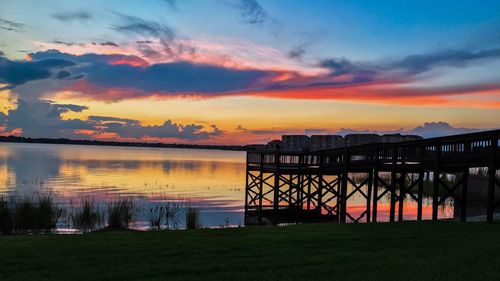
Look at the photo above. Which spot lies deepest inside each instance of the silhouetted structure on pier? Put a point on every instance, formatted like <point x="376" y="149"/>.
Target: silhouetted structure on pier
<point x="304" y="143"/>
<point x="294" y="187"/>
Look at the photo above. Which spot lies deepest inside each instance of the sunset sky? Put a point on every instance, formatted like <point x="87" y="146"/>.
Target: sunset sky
<point x="247" y="71"/>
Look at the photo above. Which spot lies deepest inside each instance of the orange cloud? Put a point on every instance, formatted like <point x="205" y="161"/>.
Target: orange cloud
<point x="395" y="94"/>
<point x="130" y="60"/>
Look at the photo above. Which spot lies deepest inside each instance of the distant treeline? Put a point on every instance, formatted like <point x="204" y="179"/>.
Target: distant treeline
<point x="115" y="143"/>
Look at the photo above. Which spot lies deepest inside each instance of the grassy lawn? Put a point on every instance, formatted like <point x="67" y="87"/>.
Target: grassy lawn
<point x="400" y="251"/>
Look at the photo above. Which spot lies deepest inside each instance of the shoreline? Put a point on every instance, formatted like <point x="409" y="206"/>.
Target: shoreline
<point x="14" y="139"/>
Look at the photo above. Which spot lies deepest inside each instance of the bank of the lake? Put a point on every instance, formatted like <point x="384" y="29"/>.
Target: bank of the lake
<point x="398" y="251"/>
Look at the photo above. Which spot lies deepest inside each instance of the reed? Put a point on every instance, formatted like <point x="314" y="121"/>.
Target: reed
<point x="37" y="213"/>
<point x="6" y="220"/>
<point x="120" y="213"/>
<point x="88" y="217"/>
<point x="172" y="211"/>
<point x="156" y="217"/>
<point x="25" y="215"/>
<point x="47" y="213"/>
<point x="193" y="218"/>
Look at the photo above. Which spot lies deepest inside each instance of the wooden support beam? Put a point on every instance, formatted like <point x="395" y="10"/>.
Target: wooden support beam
<point x="436" y="182"/>
<point x="420" y="194"/>
<point x="491" y="179"/>
<point x="247" y="187"/>
<point x="402" y="185"/>
<point x="435" y="195"/>
<point x="375" y="178"/>
<point x="402" y="195"/>
<point x="393" y="183"/>
<point x="320" y="184"/>
<point x="369" y="196"/>
<point x="463" y="206"/>
<point x="300" y="188"/>
<point x="343" y="193"/>
<point x="308" y="192"/>
<point x="261" y="186"/>
<point x="375" y="195"/>
<point x="339" y="196"/>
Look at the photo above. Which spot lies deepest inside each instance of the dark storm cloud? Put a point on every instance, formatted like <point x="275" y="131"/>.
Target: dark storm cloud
<point x="342" y="66"/>
<point x="129" y="128"/>
<point x="165" y="78"/>
<point x="416" y="64"/>
<point x="15" y="73"/>
<point x="410" y="65"/>
<point x="62" y="108"/>
<point x="168" y="129"/>
<point x="63" y="74"/>
<point x="58" y="109"/>
<point x="173" y="77"/>
<point x="11" y="25"/>
<point x="44" y="119"/>
<point x="3" y="118"/>
<point x="67" y="16"/>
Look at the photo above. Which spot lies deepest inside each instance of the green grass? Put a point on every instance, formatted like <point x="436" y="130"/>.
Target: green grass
<point x="405" y="251"/>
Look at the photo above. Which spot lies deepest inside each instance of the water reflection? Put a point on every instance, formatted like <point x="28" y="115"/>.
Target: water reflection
<point x="211" y="180"/>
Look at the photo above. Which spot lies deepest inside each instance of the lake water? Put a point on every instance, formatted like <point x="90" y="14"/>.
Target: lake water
<point x="212" y="180"/>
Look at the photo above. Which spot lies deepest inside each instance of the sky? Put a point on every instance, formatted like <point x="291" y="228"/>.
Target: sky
<point x="247" y="71"/>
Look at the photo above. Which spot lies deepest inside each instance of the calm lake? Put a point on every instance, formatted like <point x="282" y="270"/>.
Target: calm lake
<point x="212" y="180"/>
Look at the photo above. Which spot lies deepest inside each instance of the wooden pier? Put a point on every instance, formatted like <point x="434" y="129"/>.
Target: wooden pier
<point x="286" y="187"/>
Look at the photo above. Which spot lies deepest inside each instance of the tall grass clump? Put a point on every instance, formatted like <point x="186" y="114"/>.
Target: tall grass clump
<point x="36" y="214"/>
<point x="88" y="217"/>
<point x="166" y="215"/>
<point x="192" y="218"/>
<point x="120" y="213"/>
<point x="48" y="214"/>
<point x="6" y="220"/>
<point x="25" y="215"/>
<point x="156" y="217"/>
<point x="172" y="211"/>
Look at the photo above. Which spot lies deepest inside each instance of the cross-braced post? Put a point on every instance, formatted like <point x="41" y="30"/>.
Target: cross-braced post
<point x="492" y="180"/>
